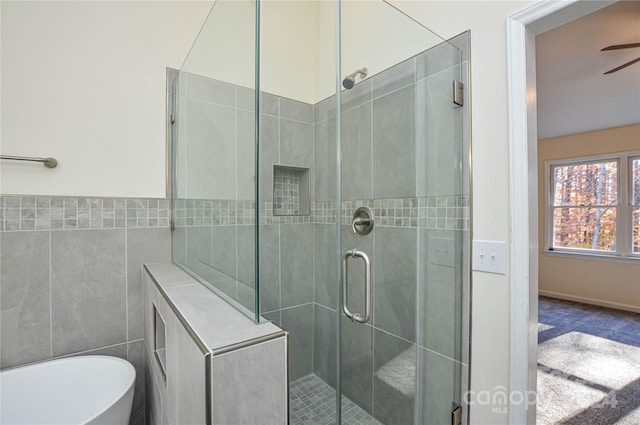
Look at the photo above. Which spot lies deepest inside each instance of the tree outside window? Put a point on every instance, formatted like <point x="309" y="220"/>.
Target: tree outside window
<point x="585" y="206"/>
<point x="594" y="205"/>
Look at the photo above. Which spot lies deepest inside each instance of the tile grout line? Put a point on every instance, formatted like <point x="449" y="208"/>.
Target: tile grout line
<point x="50" y="297"/>
<point x="280" y="274"/>
<point x="313" y="296"/>
<point x="126" y="285"/>
<point x="83" y="352"/>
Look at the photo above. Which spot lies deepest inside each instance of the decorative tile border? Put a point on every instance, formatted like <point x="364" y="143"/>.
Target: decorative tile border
<point x="267" y="216"/>
<point x="442" y="212"/>
<point x="201" y="212"/>
<point x="24" y="213"/>
<point x="324" y="212"/>
<point x="436" y="212"/>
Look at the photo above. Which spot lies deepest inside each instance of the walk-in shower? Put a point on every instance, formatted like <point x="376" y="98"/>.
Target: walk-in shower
<point x="337" y="210"/>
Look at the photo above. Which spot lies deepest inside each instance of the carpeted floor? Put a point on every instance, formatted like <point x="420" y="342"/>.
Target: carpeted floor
<point x="588" y="365"/>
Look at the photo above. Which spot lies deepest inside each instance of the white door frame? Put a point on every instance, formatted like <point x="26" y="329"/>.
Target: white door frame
<point x="522" y="28"/>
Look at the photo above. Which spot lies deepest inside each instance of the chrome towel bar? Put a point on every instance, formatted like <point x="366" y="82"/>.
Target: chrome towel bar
<point x="47" y="162"/>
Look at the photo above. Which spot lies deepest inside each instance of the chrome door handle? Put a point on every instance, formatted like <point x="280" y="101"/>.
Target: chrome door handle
<point x="357" y="317"/>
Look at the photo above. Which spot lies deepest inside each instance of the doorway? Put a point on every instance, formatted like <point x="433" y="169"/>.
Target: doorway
<point x="521" y="31"/>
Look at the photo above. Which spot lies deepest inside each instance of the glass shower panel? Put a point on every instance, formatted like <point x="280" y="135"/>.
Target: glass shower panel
<point x="401" y="157"/>
<point x="297" y="142"/>
<point x="443" y="220"/>
<point x="213" y="190"/>
<point x="278" y="203"/>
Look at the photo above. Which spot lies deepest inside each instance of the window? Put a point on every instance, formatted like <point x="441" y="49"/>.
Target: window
<point x="594" y="206"/>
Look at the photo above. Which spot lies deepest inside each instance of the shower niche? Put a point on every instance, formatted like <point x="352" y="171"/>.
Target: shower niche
<point x="290" y="190"/>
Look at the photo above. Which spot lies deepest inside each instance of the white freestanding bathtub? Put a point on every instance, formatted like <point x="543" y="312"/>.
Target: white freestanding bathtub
<point x="75" y="390"/>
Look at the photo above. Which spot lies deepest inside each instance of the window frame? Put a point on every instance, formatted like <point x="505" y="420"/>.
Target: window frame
<point x="624" y="209"/>
<point x="631" y="157"/>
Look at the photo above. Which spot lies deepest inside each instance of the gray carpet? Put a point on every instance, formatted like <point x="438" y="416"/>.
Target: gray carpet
<point x="588" y="365"/>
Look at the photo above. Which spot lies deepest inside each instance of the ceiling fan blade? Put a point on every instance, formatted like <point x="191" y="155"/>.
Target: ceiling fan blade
<point x="611" y="71"/>
<point x="620" y="46"/>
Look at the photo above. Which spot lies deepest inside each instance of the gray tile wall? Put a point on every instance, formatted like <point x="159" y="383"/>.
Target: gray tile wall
<point x="87" y="272"/>
<point x="299" y="322"/>
<point x="72" y="290"/>
<point x="215" y="138"/>
<point x="214" y="233"/>
<point x="287" y="288"/>
<point x="248" y="385"/>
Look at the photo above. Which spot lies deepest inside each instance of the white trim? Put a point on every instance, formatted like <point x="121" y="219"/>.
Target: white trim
<point x="519" y="215"/>
<point x="590" y="255"/>
<point x="584" y="300"/>
<point x="593" y="158"/>
<point x="624" y="223"/>
<point x="523" y="253"/>
<point x="523" y="256"/>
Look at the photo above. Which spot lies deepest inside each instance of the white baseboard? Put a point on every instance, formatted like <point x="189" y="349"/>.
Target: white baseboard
<point x="617" y="306"/>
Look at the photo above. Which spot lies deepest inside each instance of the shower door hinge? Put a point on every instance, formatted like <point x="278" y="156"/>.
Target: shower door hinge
<point x="172" y="118"/>
<point x="458" y="93"/>
<point x="172" y="225"/>
<point x="456" y="416"/>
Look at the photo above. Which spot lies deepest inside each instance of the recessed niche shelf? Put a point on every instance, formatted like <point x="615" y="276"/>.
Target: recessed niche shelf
<point x="159" y="344"/>
<point x="290" y="190"/>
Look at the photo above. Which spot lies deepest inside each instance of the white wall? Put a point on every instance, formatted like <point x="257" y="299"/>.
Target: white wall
<point x="84" y="82"/>
<point x="490" y="302"/>
<point x="225" y="48"/>
<point x="374" y="35"/>
<point x="298" y="44"/>
<point x="287" y="59"/>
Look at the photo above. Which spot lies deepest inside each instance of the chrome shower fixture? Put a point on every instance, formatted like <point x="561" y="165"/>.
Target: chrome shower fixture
<point x="350" y="80"/>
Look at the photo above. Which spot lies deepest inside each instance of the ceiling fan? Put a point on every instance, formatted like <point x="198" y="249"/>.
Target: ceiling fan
<point x="620" y="47"/>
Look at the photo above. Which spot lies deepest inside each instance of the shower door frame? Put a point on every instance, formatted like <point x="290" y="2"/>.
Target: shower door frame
<point x="342" y="257"/>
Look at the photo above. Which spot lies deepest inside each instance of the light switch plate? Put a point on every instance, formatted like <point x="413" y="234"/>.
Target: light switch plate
<point x="489" y="256"/>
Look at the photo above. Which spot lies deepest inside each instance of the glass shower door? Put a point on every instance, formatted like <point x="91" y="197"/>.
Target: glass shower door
<point x="400" y="161"/>
<point x="214" y="156"/>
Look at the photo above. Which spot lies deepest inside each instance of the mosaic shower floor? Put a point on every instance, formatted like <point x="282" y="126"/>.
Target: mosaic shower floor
<point x="313" y="402"/>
